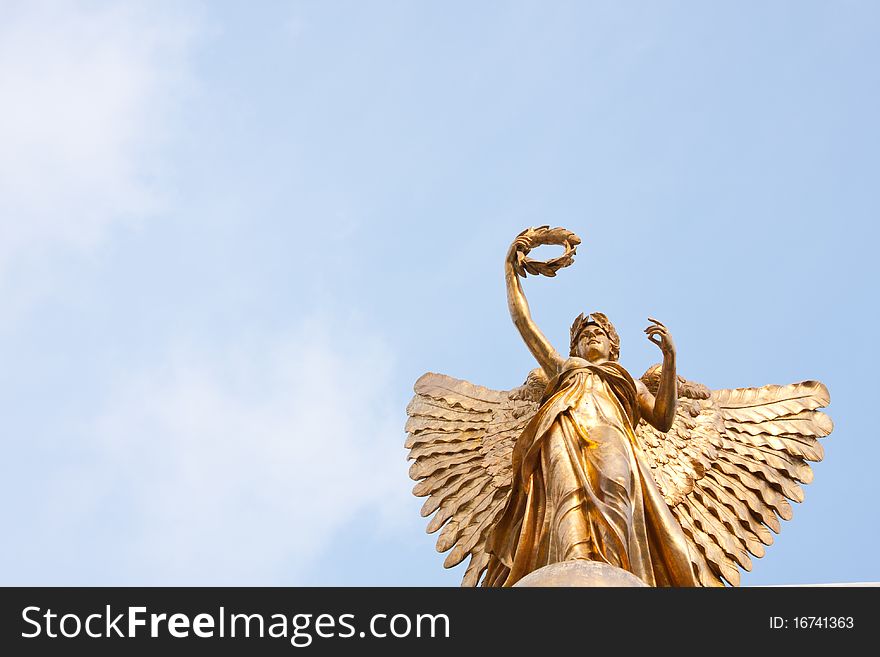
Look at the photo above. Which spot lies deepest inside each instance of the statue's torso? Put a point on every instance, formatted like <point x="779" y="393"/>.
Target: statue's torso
<point x="584" y="391"/>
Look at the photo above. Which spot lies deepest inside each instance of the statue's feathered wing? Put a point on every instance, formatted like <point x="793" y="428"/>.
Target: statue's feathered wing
<point x="461" y="437"/>
<point x="731" y="463"/>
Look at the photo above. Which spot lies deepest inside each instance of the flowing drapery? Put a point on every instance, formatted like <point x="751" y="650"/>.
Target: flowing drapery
<point x="582" y="490"/>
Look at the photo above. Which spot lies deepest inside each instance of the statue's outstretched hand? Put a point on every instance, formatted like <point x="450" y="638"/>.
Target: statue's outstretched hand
<point x="521" y="245"/>
<point x="659" y="335"/>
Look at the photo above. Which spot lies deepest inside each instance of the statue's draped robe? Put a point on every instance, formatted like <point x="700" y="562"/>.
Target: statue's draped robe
<point x="581" y="488"/>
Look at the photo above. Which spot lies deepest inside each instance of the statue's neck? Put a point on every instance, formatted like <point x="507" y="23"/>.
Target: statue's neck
<point x="588" y="361"/>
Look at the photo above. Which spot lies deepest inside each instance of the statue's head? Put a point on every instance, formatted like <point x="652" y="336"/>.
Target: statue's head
<point x="594" y="338"/>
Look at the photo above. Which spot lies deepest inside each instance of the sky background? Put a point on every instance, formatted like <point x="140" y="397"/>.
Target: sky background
<point x="232" y="236"/>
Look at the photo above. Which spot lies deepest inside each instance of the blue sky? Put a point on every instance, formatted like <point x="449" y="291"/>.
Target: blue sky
<point x="231" y="238"/>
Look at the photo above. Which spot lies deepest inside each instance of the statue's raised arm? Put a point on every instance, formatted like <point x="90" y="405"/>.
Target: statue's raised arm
<point x="517" y="265"/>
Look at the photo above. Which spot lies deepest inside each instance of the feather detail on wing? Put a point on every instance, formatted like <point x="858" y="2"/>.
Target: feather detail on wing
<point x="730" y="464"/>
<point x="461" y="437"/>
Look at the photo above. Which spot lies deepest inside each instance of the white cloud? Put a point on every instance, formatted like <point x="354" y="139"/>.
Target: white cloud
<point x="87" y="93"/>
<point x="232" y="466"/>
<point x="237" y="468"/>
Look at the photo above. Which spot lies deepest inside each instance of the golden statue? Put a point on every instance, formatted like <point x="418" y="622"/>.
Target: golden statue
<point x="657" y="476"/>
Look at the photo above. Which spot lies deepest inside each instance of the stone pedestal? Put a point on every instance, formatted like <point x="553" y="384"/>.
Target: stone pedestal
<point x="580" y="573"/>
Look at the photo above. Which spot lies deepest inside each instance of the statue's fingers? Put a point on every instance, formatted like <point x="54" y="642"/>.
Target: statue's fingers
<point x="658" y="322"/>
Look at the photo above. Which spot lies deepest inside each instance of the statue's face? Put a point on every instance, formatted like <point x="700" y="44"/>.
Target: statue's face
<point x="594" y="344"/>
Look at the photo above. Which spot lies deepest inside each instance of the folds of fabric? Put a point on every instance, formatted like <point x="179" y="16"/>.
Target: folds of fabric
<point x="582" y="490"/>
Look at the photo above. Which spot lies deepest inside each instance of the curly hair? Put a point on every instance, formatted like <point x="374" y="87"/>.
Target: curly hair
<point x="597" y="319"/>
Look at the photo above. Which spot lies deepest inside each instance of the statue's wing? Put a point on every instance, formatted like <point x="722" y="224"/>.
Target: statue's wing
<point x="731" y="463"/>
<point x="461" y="437"/>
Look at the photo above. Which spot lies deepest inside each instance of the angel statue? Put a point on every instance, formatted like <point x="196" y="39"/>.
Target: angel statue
<point x="659" y="476"/>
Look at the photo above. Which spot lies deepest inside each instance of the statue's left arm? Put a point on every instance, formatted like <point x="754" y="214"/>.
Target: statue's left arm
<point x="659" y="411"/>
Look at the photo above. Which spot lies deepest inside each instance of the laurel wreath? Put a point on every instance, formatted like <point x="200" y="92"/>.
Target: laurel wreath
<point x="532" y="238"/>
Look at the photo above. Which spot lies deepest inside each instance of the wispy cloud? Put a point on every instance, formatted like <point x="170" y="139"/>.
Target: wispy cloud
<point x="228" y="468"/>
<point x="88" y="95"/>
<point x="234" y="463"/>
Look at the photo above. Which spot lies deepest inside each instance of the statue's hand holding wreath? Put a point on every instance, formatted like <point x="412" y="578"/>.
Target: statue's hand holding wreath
<point x="532" y="238"/>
